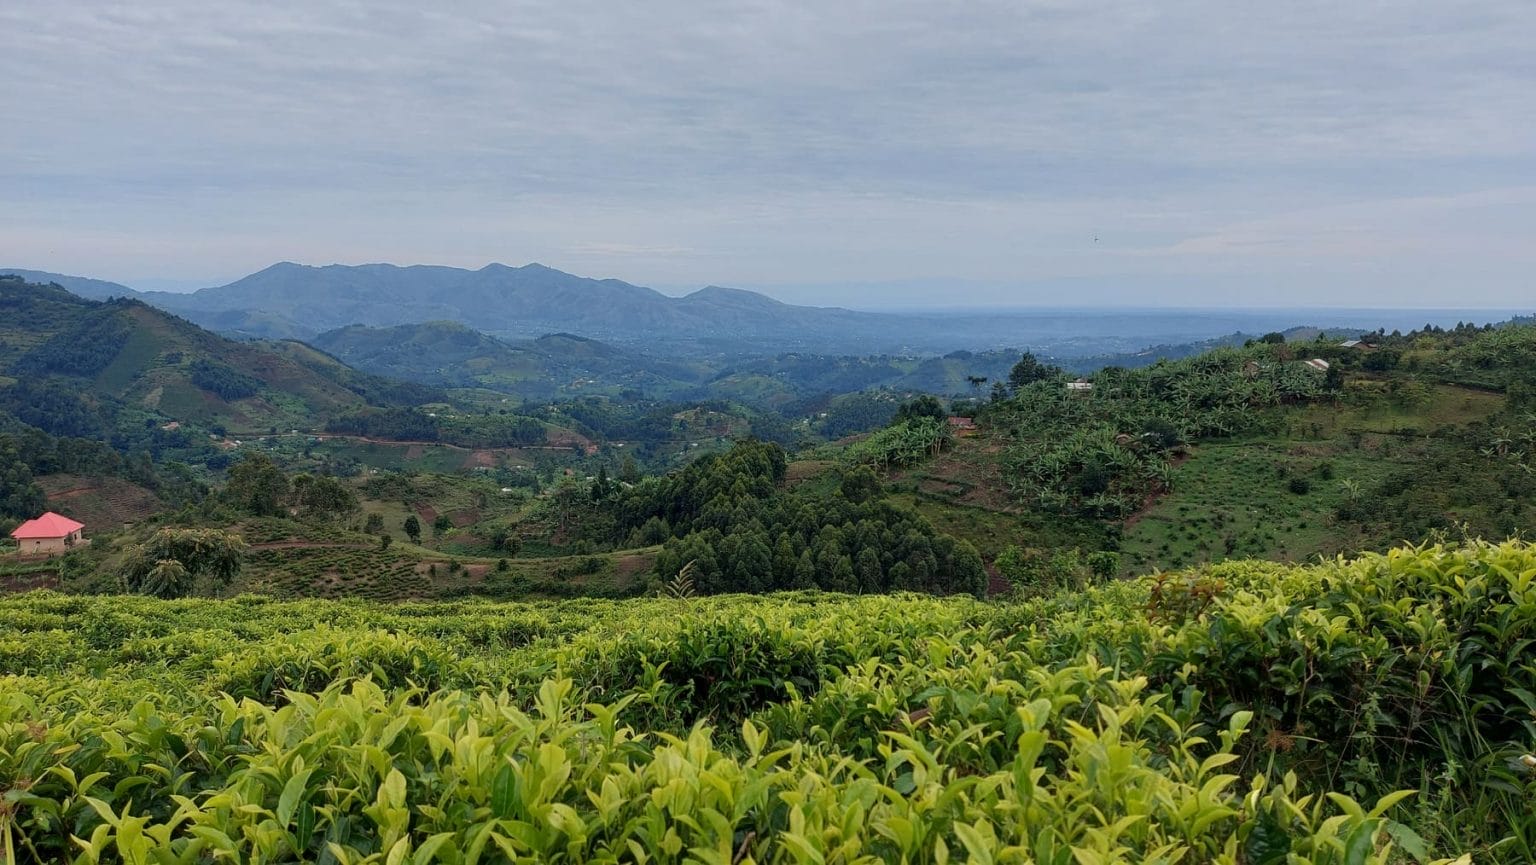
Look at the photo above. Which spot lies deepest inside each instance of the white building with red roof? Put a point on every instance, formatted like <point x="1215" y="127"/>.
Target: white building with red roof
<point x="49" y="533"/>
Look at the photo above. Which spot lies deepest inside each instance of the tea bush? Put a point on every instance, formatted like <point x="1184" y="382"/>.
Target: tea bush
<point x="1376" y="710"/>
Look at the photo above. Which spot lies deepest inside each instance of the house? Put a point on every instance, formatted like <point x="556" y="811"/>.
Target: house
<point x="49" y="534"/>
<point x="1081" y="385"/>
<point x="962" y="426"/>
<point x="1318" y="364"/>
<point x="1358" y="344"/>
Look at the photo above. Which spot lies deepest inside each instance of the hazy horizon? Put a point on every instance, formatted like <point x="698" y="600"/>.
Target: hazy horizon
<point x="787" y="294"/>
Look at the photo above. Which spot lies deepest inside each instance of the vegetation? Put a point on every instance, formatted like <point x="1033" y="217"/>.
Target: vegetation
<point x="1375" y="710"/>
<point x="730" y="517"/>
<point x="171" y="562"/>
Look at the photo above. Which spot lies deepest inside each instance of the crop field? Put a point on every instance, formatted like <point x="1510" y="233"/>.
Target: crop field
<point x="1276" y="497"/>
<point x="100" y="502"/>
<point x="316" y="569"/>
<point x="1251" y="500"/>
<point x="1378" y="710"/>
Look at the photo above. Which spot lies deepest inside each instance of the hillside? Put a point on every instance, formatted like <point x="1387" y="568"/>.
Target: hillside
<point x="450" y="354"/>
<point x="125" y="361"/>
<point x="93" y="289"/>
<point x="561" y="366"/>
<point x="1245" y="452"/>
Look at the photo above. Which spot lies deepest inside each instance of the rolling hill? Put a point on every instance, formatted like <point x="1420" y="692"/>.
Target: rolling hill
<point x="66" y="361"/>
<point x="449" y="354"/>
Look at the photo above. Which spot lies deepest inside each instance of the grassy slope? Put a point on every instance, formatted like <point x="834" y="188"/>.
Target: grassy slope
<point x="1237" y="488"/>
<point x="152" y="370"/>
<point x="1233" y="499"/>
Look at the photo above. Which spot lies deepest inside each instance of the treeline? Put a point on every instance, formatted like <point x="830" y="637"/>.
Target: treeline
<point x="728" y="520"/>
<point x="60" y="409"/>
<point x="651" y="422"/>
<point x="1494" y="356"/>
<point x="399" y="424"/>
<point x="258" y="487"/>
<point x="83" y="349"/>
<point x="222" y="380"/>
<point x="465" y="430"/>
<point x="26" y="454"/>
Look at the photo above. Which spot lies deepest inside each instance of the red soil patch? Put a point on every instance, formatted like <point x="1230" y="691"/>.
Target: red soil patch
<point x="28" y="582"/>
<point x="480" y="460"/>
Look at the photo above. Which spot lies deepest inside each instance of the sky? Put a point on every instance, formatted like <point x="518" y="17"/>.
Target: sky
<point x="867" y="154"/>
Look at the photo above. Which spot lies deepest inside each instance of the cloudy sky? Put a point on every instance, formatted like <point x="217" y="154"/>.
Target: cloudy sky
<point x="864" y="153"/>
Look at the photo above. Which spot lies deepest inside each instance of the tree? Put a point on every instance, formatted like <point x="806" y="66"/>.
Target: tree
<point x="412" y="528"/>
<point x="925" y="406"/>
<point x="860" y="484"/>
<point x="327" y="496"/>
<point x="1333" y="379"/>
<point x="440" y="526"/>
<point x="1029" y="370"/>
<point x="1014" y="566"/>
<point x="867" y="568"/>
<point x="976" y="381"/>
<point x="374" y="524"/>
<point x="805" y="572"/>
<point x="169" y="564"/>
<point x="257" y="485"/>
<point x="20" y="497"/>
<point x="601" y="487"/>
<point x="843" y="578"/>
<point x="629" y="472"/>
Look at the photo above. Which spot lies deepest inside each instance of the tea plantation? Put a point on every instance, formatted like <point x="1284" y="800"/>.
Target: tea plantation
<point x="1374" y="710"/>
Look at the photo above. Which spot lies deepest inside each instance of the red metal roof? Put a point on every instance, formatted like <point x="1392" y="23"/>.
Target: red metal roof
<point x="49" y="525"/>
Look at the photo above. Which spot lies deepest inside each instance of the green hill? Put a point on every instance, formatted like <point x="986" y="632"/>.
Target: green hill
<point x="1247" y="452"/>
<point x="557" y="365"/>
<point x="125" y="360"/>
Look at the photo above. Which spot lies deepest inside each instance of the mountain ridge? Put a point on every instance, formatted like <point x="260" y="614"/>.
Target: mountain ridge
<point x="292" y="300"/>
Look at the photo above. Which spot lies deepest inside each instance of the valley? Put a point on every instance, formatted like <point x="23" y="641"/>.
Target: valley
<point x="766" y="548"/>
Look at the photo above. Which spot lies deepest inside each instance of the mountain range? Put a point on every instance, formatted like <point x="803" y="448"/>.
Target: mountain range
<point x="297" y="301"/>
<point x="290" y="300"/>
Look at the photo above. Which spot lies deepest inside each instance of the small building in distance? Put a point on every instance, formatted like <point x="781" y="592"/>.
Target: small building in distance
<point x="1318" y="364"/>
<point x="49" y="534"/>
<point x="1080" y="386"/>
<point x="962" y="426"/>
<point x="1358" y="344"/>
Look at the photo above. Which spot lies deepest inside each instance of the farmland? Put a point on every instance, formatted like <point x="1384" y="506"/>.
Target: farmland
<point x="1200" y="717"/>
